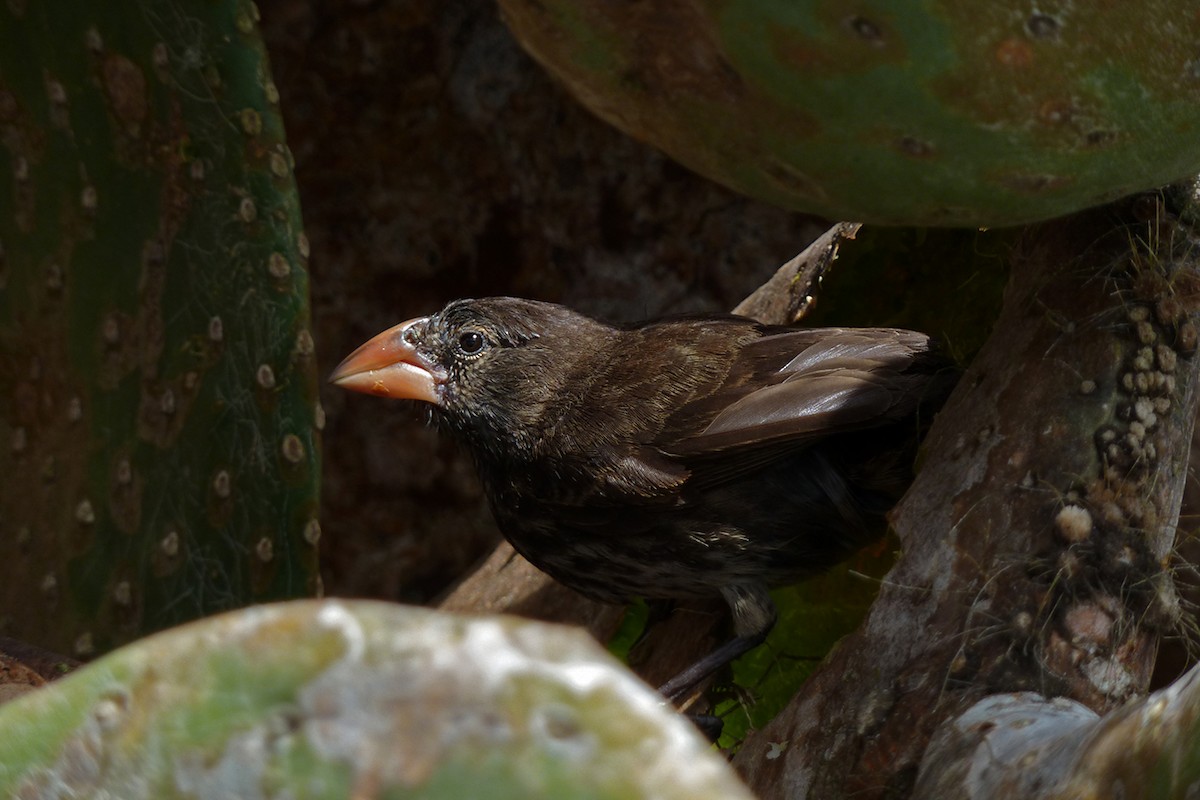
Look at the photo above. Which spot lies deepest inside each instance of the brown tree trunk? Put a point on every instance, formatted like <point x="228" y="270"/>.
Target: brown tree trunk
<point x="1036" y="535"/>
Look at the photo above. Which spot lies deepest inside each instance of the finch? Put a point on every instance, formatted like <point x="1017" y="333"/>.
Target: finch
<point x="674" y="458"/>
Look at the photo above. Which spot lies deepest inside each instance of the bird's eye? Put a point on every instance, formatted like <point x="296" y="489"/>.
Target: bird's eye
<point x="471" y="342"/>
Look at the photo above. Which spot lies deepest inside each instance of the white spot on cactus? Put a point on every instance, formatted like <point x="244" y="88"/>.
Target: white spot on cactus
<point x="1143" y="408"/>
<point x="84" y="513"/>
<point x="304" y="343"/>
<point x="56" y="92"/>
<point x="244" y="22"/>
<point x="279" y="165"/>
<point x="169" y="544"/>
<point x="1074" y="523"/>
<point x="1146" y="333"/>
<point x="110" y="711"/>
<point x="110" y="329"/>
<point x="166" y="401"/>
<point x="1109" y="676"/>
<point x="247" y="211"/>
<point x="93" y="40"/>
<point x="251" y="122"/>
<point x="278" y="266"/>
<point x="1167" y="360"/>
<point x="222" y="484"/>
<point x="336" y="616"/>
<point x="292" y="449"/>
<point x="54" y="278"/>
<point x="265" y="376"/>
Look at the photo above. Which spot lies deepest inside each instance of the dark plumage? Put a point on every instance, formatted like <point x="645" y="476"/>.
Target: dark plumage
<point x="679" y="458"/>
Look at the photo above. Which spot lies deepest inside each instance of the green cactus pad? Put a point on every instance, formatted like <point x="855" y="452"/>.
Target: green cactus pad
<point x="906" y="112"/>
<point x="158" y="398"/>
<point x="356" y="699"/>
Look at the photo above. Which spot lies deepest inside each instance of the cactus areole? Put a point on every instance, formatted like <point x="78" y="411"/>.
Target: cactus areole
<point x="941" y="112"/>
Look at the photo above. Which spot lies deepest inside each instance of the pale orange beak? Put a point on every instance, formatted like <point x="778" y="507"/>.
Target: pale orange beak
<point x="388" y="366"/>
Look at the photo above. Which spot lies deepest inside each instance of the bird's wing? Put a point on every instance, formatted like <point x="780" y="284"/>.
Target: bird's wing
<point x="644" y="473"/>
<point x="793" y="388"/>
<point x="785" y="391"/>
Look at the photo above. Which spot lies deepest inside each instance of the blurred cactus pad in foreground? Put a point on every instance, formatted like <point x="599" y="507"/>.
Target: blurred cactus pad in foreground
<point x="158" y="407"/>
<point x="334" y="700"/>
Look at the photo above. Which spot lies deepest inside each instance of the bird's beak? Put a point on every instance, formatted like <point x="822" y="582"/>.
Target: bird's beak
<point x="388" y="366"/>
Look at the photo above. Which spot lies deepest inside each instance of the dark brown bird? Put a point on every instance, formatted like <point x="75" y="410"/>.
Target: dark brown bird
<point x="680" y="458"/>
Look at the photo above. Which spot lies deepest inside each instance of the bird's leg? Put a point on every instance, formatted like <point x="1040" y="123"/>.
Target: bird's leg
<point x="753" y="617"/>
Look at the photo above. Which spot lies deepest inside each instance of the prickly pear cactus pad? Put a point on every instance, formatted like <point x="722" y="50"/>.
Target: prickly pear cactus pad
<point x="157" y="387"/>
<point x="356" y="699"/>
<point x="951" y="112"/>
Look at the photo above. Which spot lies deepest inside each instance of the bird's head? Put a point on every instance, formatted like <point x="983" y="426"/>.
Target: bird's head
<point x="489" y="367"/>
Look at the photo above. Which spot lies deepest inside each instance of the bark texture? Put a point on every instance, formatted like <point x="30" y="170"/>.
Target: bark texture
<point x="1037" y="534"/>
